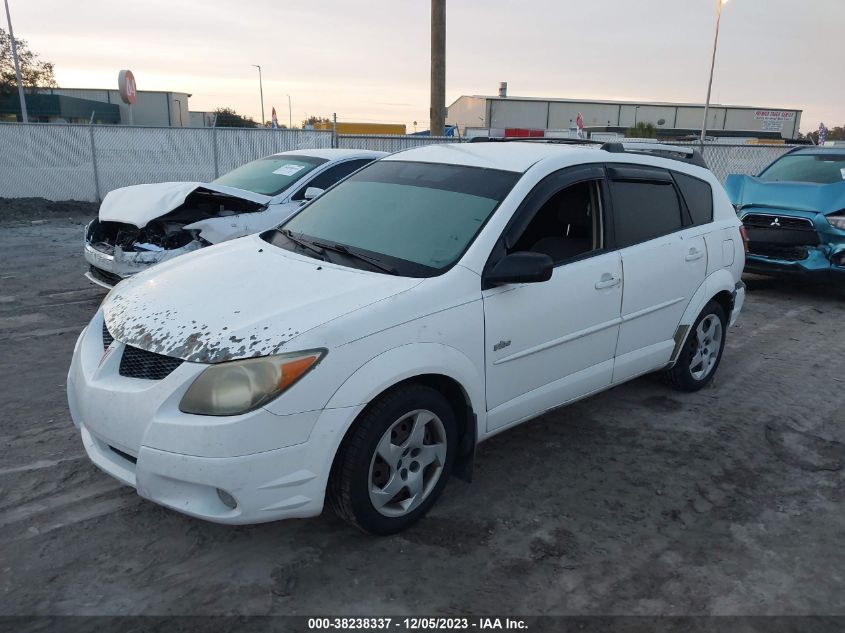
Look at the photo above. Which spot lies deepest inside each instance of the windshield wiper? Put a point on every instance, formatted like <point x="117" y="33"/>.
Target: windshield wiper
<point x="340" y="248"/>
<point x="305" y="244"/>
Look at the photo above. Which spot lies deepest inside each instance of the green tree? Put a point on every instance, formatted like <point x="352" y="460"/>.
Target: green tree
<point x="642" y="130"/>
<point x="227" y="117"/>
<point x="35" y="72"/>
<point x="315" y="119"/>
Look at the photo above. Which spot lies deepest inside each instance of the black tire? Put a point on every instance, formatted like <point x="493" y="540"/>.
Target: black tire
<point x="349" y="482"/>
<point x="681" y="376"/>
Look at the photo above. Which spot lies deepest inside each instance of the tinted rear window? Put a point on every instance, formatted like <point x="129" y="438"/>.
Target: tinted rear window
<point x="698" y="195"/>
<point x="643" y="210"/>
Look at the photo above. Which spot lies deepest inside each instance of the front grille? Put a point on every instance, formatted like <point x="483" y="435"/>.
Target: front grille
<point x="104" y="275"/>
<point x="138" y="363"/>
<point x="107" y="337"/>
<point x="765" y="221"/>
<point x="779" y="231"/>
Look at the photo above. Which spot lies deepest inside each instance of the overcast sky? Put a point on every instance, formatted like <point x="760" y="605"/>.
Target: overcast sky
<point x="369" y="61"/>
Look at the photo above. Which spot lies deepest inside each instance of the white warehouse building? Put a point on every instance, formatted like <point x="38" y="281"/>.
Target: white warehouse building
<point x="672" y="120"/>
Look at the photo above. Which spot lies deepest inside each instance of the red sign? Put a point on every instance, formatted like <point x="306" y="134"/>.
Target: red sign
<point x="126" y="85"/>
<point x="523" y="132"/>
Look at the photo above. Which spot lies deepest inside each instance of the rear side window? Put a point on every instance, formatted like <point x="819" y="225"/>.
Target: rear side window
<point x="699" y="197"/>
<point x="643" y="210"/>
<point x="332" y="175"/>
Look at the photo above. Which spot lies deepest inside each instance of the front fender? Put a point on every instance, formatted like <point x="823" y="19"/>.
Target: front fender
<point x="406" y="361"/>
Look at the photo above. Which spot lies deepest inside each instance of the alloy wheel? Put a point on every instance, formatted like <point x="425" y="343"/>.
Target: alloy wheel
<point x="708" y="343"/>
<point x="407" y="463"/>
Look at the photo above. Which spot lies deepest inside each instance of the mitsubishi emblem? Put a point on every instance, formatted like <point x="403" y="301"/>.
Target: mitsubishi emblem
<point x="775" y="222"/>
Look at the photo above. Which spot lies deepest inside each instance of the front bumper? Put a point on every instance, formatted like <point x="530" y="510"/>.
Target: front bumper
<point x="108" y="269"/>
<point x="274" y="466"/>
<point x="820" y="262"/>
<point x="101" y="268"/>
<point x="789" y="242"/>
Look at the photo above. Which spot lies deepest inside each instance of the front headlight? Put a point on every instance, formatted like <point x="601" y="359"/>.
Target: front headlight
<point x="244" y="385"/>
<point x="837" y="220"/>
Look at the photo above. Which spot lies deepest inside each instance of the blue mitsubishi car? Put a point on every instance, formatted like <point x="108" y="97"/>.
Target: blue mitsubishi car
<point x="794" y="213"/>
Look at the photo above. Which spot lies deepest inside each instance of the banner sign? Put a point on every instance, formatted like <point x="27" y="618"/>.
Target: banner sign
<point x="773" y="120"/>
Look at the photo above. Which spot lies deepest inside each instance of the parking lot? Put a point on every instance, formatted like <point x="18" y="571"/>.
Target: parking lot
<point x="641" y="500"/>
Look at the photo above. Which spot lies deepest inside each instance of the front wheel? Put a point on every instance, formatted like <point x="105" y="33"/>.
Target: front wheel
<point x="396" y="461"/>
<point x="702" y="350"/>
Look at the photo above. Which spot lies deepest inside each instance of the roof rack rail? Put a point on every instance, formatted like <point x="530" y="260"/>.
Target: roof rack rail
<point x="533" y="139"/>
<point x="674" y="152"/>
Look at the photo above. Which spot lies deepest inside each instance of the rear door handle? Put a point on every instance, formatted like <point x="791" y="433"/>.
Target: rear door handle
<point x="607" y="281"/>
<point x="694" y="254"/>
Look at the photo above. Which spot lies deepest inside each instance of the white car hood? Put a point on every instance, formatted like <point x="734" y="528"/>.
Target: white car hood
<point x="239" y="299"/>
<point x="139" y="204"/>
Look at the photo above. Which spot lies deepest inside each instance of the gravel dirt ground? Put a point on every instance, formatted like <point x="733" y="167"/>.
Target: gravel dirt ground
<point x="641" y="500"/>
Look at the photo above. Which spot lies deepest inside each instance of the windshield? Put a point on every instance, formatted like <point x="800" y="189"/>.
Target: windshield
<point x="817" y="168"/>
<point x="417" y="217"/>
<point x="272" y="175"/>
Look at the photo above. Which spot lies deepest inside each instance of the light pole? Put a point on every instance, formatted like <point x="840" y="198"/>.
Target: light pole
<point x="719" y="4"/>
<point x="290" y="115"/>
<point x="636" y="111"/>
<point x="24" y="115"/>
<point x="261" y="90"/>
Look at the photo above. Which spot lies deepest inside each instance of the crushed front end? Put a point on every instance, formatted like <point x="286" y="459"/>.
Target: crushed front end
<point x="144" y="225"/>
<point x="116" y="250"/>
<point x="791" y="241"/>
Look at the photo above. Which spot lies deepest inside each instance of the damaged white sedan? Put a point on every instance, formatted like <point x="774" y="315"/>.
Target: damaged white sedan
<point x="142" y="225"/>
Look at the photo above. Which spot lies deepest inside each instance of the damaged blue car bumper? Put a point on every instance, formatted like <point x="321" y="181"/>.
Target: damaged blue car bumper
<point x="783" y="241"/>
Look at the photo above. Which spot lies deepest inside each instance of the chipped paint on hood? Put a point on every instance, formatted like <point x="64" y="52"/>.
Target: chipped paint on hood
<point x="139" y="204"/>
<point x="239" y="299"/>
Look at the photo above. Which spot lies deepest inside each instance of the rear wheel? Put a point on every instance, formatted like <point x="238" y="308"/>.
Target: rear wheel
<point x="396" y="461"/>
<point x="702" y="350"/>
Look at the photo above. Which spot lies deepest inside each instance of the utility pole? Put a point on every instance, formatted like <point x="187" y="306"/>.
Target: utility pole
<point x="24" y="115"/>
<point x="290" y="115"/>
<point x="438" y="68"/>
<point x="261" y="89"/>
<point x="719" y="4"/>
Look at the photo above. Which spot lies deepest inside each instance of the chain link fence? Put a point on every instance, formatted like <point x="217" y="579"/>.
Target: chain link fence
<point x="80" y="162"/>
<point x="724" y="160"/>
<point x="76" y="162"/>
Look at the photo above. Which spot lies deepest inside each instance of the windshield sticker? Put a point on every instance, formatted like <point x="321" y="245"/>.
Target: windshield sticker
<point x="842" y="171"/>
<point x="289" y="170"/>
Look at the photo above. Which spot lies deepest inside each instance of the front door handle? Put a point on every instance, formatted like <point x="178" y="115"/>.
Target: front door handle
<point x="694" y="254"/>
<point x="607" y="281"/>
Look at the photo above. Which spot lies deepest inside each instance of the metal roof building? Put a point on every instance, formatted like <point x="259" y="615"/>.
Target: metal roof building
<point x="78" y="105"/>
<point x="670" y="119"/>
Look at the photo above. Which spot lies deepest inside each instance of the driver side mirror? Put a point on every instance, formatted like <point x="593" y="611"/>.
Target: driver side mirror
<point x="522" y="267"/>
<point x="313" y="192"/>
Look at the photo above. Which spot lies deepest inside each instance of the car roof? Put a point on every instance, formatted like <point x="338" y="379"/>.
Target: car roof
<point x="519" y="156"/>
<point x="817" y="150"/>
<point x="512" y="156"/>
<point x="333" y="153"/>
